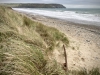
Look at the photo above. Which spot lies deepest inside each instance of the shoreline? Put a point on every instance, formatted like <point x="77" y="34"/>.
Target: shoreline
<point x="84" y="39"/>
<point x="37" y="16"/>
<point x="73" y="20"/>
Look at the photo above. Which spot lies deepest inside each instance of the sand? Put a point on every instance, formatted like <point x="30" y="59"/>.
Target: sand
<point x="84" y="48"/>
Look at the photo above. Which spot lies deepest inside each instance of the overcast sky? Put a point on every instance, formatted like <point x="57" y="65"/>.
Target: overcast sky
<point x="67" y="3"/>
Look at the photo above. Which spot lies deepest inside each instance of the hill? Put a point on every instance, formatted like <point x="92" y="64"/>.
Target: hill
<point x="33" y="5"/>
<point x="26" y="46"/>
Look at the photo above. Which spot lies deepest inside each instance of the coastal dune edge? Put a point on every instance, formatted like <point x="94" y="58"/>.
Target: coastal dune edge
<point x="31" y="44"/>
<point x="84" y="50"/>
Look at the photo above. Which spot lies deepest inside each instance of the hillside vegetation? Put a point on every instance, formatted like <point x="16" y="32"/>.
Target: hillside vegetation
<point x="33" y="5"/>
<point x="26" y="47"/>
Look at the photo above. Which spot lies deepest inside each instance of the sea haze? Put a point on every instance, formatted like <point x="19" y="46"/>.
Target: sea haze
<point x="78" y="15"/>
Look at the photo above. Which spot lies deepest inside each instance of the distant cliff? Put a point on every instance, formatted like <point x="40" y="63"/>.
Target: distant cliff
<point x="34" y="5"/>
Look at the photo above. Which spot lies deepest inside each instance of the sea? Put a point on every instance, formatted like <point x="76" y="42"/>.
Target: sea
<point x="90" y="16"/>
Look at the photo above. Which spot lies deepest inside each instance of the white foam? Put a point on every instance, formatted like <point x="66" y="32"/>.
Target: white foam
<point x="63" y="14"/>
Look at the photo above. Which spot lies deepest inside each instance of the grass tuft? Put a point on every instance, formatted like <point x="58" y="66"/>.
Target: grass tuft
<point x="27" y="21"/>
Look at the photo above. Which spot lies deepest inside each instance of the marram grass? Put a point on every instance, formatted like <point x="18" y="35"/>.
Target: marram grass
<point x="24" y="45"/>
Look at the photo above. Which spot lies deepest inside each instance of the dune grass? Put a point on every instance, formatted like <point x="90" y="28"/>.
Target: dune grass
<point x="24" y="43"/>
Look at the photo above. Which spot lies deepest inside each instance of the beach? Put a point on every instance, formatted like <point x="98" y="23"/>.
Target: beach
<point x="84" y="49"/>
